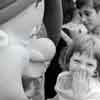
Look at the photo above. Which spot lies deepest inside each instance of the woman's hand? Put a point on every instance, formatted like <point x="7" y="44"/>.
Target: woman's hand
<point x="80" y="83"/>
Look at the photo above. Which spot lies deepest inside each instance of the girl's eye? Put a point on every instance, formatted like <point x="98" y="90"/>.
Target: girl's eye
<point x="80" y="14"/>
<point x="90" y="65"/>
<point x="77" y="61"/>
<point x="86" y="13"/>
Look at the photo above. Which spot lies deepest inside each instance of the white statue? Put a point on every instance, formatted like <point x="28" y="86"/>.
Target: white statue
<point x="22" y="55"/>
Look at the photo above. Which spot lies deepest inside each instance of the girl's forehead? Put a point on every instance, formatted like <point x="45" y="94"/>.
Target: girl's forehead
<point x="87" y="8"/>
<point x="84" y="58"/>
<point x="82" y="55"/>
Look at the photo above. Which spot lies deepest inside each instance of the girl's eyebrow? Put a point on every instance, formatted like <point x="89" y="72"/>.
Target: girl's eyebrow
<point x="77" y="60"/>
<point x="80" y="13"/>
<point x="89" y="63"/>
<point x="86" y="11"/>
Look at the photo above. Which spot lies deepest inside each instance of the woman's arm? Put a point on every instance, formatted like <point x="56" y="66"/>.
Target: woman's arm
<point x="66" y="38"/>
<point x="53" y="19"/>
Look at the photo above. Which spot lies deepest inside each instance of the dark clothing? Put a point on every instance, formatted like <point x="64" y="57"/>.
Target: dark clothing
<point x="52" y="72"/>
<point x="68" y="10"/>
<point x="53" y="19"/>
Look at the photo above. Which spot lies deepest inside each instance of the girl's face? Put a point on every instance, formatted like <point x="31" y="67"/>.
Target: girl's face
<point x="90" y="17"/>
<point x="83" y="62"/>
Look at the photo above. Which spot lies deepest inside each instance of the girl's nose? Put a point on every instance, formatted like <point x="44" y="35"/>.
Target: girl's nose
<point x="84" y="19"/>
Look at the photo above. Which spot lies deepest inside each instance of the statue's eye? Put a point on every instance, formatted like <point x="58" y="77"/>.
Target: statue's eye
<point x="6" y="3"/>
<point x="77" y="61"/>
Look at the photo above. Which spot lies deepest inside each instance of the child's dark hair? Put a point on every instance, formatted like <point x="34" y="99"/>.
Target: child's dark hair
<point x="92" y="3"/>
<point x="88" y="44"/>
<point x="68" y="10"/>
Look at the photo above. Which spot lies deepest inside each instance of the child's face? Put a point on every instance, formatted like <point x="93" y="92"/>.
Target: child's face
<point x="83" y="62"/>
<point x="90" y="17"/>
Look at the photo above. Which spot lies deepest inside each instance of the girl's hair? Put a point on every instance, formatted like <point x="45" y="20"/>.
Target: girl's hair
<point x="89" y="3"/>
<point x="83" y="43"/>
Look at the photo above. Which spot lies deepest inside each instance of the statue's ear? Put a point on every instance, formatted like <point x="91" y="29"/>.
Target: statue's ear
<point x="3" y="39"/>
<point x="36" y="56"/>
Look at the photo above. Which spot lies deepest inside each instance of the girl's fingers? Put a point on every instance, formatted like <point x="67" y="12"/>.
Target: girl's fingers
<point x="80" y="83"/>
<point x="83" y="75"/>
<point x="75" y="83"/>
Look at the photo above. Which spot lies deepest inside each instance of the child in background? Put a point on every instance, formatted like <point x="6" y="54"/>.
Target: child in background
<point x="80" y="80"/>
<point x="90" y="14"/>
<point x="89" y="11"/>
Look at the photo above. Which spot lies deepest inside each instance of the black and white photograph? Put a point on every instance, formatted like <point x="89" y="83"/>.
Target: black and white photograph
<point x="49" y="50"/>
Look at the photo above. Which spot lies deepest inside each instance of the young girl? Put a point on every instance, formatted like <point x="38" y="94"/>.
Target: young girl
<point x="80" y="81"/>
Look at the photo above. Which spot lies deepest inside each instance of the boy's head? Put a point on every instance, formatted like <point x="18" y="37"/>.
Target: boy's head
<point x="89" y="3"/>
<point x="90" y="12"/>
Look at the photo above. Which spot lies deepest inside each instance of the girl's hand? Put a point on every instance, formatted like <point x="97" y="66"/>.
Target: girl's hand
<point x="80" y="84"/>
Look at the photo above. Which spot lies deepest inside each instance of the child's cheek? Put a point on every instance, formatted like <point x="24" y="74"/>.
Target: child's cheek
<point x="91" y="71"/>
<point x="73" y="66"/>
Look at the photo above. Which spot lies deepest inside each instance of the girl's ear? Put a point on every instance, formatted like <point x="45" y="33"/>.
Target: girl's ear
<point x="98" y="13"/>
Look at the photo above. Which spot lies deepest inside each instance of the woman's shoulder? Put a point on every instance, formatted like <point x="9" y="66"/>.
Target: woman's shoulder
<point x="54" y="98"/>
